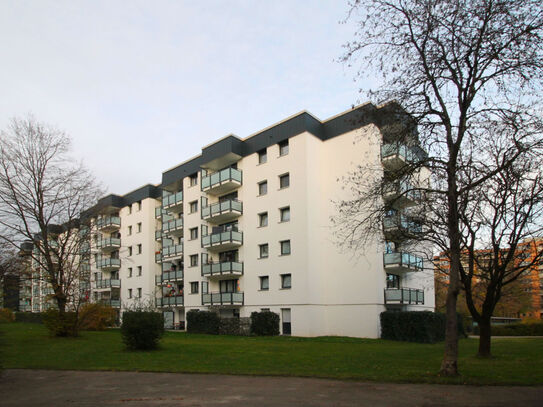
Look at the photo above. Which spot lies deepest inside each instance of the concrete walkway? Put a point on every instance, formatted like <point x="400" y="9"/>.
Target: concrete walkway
<point x="76" y="388"/>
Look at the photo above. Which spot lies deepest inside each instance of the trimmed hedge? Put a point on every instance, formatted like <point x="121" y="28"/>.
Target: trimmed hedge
<point x="413" y="326"/>
<point x="142" y="330"/>
<point x="532" y="329"/>
<point x="29" y="317"/>
<point x="265" y="323"/>
<point x="60" y="324"/>
<point x="203" y="322"/>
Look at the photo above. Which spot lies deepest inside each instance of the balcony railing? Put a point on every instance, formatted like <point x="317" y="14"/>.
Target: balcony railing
<point x="172" y="226"/>
<point x="158" y="257"/>
<point x="169" y="276"/>
<point x="109" y="244"/>
<point x="402" y="193"/>
<point x="107" y="283"/>
<point x="404" y="296"/>
<point x="109" y="263"/>
<point x="223" y="239"/>
<point x="159" y="212"/>
<point x="403" y="261"/>
<point x="222" y="181"/>
<point x="222" y="299"/>
<point x="173" y="201"/>
<point x="115" y="303"/>
<point x="158" y="234"/>
<point x="223" y="211"/>
<point x="222" y="269"/>
<point x="399" y="223"/>
<point x="177" y="300"/>
<point x="109" y="222"/>
<point x="172" y="251"/>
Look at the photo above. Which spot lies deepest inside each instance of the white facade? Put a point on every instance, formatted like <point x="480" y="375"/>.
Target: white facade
<point x="203" y="233"/>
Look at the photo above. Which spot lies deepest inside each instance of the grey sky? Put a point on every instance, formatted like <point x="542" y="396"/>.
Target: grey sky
<point x="143" y="85"/>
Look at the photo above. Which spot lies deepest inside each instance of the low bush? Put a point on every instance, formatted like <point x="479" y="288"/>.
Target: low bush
<point x="60" y="324"/>
<point x="265" y="323"/>
<point x="29" y="317"/>
<point x="96" y="317"/>
<point x="519" y="329"/>
<point x="413" y="326"/>
<point x="6" y="315"/>
<point x="203" y="322"/>
<point x="142" y="330"/>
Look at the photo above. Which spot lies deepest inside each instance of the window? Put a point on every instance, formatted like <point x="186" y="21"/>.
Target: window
<point x="193" y="260"/>
<point x="139" y="292"/>
<point x="193" y="233"/>
<point x="285" y="247"/>
<point x="263" y="188"/>
<point x="286" y="281"/>
<point x="139" y="227"/>
<point x="283" y="148"/>
<point x="129" y="209"/>
<point x="263" y="250"/>
<point x="393" y="281"/>
<point x="140" y="270"/>
<point x="193" y="179"/>
<point x="262" y="156"/>
<point x="284" y="181"/>
<point x="130" y="250"/>
<point x="139" y="205"/>
<point x="194" y="287"/>
<point x="129" y="271"/>
<point x="263" y="219"/>
<point x="139" y="249"/>
<point x="284" y="214"/>
<point x="264" y="283"/>
<point x="129" y="230"/>
<point x="129" y="293"/>
<point x="193" y="207"/>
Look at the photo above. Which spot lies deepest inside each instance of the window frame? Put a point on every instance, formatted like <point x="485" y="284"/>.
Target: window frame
<point x="263" y="279"/>
<point x="194" y="284"/>
<point x="282" y="211"/>
<point x="193" y="231"/>
<point x="263" y="216"/>
<point x="191" y="262"/>
<point x="282" y="177"/>
<point x="284" y="280"/>
<point x="281" y="245"/>
<point x="283" y="148"/>
<point x="260" y="250"/>
<point x="262" y="156"/>
<point x="262" y="185"/>
<point x="195" y="205"/>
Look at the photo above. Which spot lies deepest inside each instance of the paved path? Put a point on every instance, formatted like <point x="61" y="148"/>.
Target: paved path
<point x="75" y="388"/>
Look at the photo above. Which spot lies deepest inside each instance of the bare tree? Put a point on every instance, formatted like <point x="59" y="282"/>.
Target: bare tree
<point x="468" y="72"/>
<point x="42" y="193"/>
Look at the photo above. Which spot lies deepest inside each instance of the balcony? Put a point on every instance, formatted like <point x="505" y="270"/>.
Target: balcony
<point x="223" y="240"/>
<point x="217" y="299"/>
<point x="404" y="296"/>
<point x="109" y="264"/>
<point x="84" y="248"/>
<point x="224" y="269"/>
<point x="401" y="194"/>
<point x="222" y="182"/>
<point x="109" y="245"/>
<point x="173" y="202"/>
<point x="169" y="276"/>
<point x="159" y="212"/>
<point x="395" y="156"/>
<point x="220" y="212"/>
<point x="108" y="224"/>
<point x="172" y="252"/>
<point x="173" y="227"/>
<point x="174" y="301"/>
<point x="158" y="234"/>
<point x="106" y="284"/>
<point x="158" y="257"/>
<point x="115" y="303"/>
<point x="402" y="262"/>
<point x="398" y="225"/>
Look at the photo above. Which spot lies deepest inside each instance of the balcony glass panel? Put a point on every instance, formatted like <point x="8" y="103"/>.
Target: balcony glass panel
<point x="172" y="199"/>
<point x="228" y="174"/>
<point x="404" y="296"/>
<point x="109" y="242"/>
<point x="109" y="263"/>
<point x="172" y="250"/>
<point x="232" y="205"/>
<point x="222" y="268"/>
<point x="172" y="225"/>
<point x="109" y="221"/>
<point x="403" y="259"/>
<point x="222" y="298"/>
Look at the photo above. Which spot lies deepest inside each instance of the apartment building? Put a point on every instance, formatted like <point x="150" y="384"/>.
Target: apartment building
<point x="246" y="226"/>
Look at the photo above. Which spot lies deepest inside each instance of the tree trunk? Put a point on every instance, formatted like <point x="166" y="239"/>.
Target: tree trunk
<point x="449" y="364"/>
<point x="484" y="337"/>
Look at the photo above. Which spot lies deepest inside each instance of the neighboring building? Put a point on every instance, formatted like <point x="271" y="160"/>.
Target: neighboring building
<point x="245" y="226"/>
<point x="520" y="299"/>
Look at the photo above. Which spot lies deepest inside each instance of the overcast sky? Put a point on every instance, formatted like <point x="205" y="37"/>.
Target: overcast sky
<point x="143" y="85"/>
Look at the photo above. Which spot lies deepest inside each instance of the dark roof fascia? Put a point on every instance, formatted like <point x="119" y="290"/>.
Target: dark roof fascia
<point x="146" y="191"/>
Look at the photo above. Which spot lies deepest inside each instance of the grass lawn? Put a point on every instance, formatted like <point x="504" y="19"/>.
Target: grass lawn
<point x="516" y="361"/>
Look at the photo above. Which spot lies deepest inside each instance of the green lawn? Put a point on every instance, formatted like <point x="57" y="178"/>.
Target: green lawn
<point x="516" y="361"/>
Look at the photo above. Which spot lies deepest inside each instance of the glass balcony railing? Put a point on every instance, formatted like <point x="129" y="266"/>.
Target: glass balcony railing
<point x="402" y="152"/>
<point x="171" y="251"/>
<point x="115" y="303"/>
<point x="222" y="298"/>
<point x="402" y="192"/>
<point x="224" y="268"/>
<point x="177" y="300"/>
<point x="232" y="238"/>
<point x="109" y="243"/>
<point x="109" y="222"/>
<point x="230" y="176"/>
<point x="169" y="276"/>
<point x="107" y="283"/>
<point x="172" y="225"/>
<point x="229" y="207"/>
<point x="172" y="200"/>
<point x="404" y="296"/>
<point x="109" y="263"/>
<point x="401" y="223"/>
<point x="403" y="260"/>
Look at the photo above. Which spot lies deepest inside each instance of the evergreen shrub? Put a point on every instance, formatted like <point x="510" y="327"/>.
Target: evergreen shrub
<point x="522" y="329"/>
<point x="265" y="323"/>
<point x="29" y="317"/>
<point x="58" y="324"/>
<point x="142" y="330"/>
<point x="203" y="322"/>
<point x="413" y="326"/>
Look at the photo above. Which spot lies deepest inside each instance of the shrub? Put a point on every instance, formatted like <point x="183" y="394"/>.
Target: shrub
<point x="96" y="317"/>
<point x="203" y="322"/>
<point x="142" y="330"/>
<point x="58" y="324"/>
<point x="413" y="326"/>
<point x="6" y="315"/>
<point x="265" y="323"/>
<point x="29" y="317"/>
<point x="229" y="326"/>
<point x="518" y="329"/>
